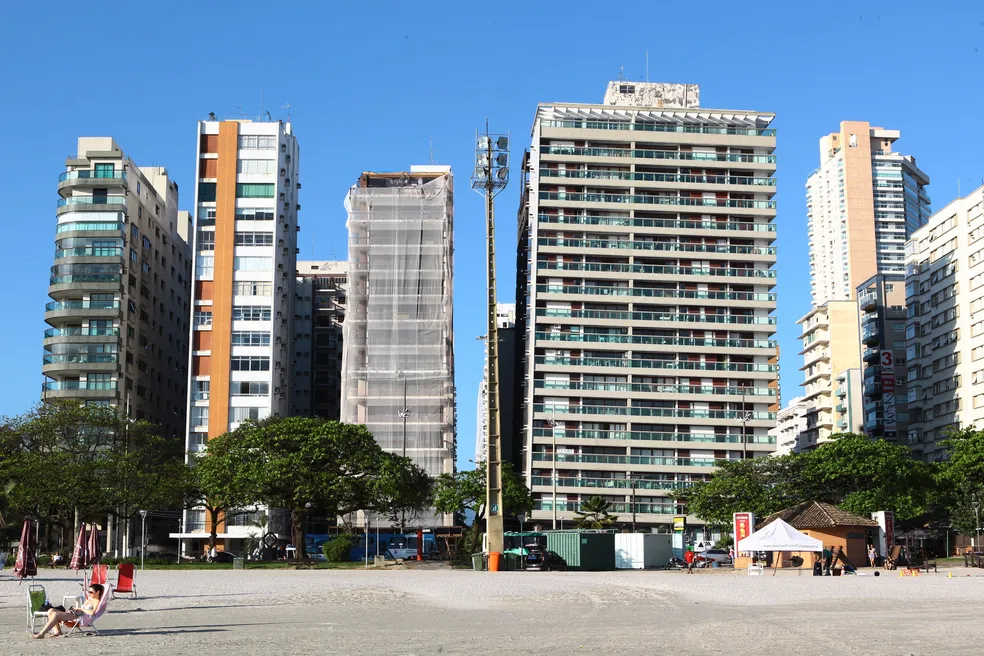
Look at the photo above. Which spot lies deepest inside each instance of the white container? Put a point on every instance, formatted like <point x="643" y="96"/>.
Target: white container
<point x="642" y="550"/>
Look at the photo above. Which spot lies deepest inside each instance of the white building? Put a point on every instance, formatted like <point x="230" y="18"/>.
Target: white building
<point x="791" y="424"/>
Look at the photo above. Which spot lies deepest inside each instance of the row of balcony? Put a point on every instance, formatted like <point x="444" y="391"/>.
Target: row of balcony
<point x="658" y="154"/>
<point x="647" y="292"/>
<point x="79" y="385"/>
<point x="677" y="224"/>
<point x="631" y="411"/>
<point x="81" y="305"/>
<point x="651" y="436"/>
<point x="655" y="269"/>
<point x="660" y="127"/>
<point x="684" y="247"/>
<point x="652" y="388"/>
<point x="89" y="251"/>
<point x="658" y="340"/>
<point x="91" y="200"/>
<point x="676" y="365"/>
<point x="81" y="358"/>
<point x="612" y="483"/>
<point x="98" y="278"/>
<point x="593" y="174"/>
<point x="738" y="319"/>
<point x="78" y="331"/>
<point x="604" y="459"/>
<point x="642" y="199"/>
<point x="622" y="508"/>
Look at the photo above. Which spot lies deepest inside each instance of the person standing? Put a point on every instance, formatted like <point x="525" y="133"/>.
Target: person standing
<point x="872" y="555"/>
<point x="689" y="557"/>
<point x="828" y="556"/>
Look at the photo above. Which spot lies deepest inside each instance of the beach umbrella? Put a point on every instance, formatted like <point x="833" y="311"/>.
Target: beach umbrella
<point x="79" y="553"/>
<point x="94" y="551"/>
<point x="27" y="563"/>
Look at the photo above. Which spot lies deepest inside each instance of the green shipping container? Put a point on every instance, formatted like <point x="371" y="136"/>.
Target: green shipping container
<point x="587" y="551"/>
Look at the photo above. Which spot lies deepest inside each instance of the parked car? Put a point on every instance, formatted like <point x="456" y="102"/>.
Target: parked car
<point x="539" y="560"/>
<point x="720" y="555"/>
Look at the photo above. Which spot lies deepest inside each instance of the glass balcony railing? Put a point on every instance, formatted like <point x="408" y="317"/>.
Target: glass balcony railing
<point x="81" y="358"/>
<point x="69" y="385"/>
<point x="92" y="175"/>
<point x="659" y="154"/>
<point x="660" y="127"/>
<point x="650" y="436"/>
<point x="625" y="460"/>
<point x="691" y="413"/>
<point x="584" y="174"/>
<point x="89" y="251"/>
<point x="652" y="388"/>
<point x="82" y="305"/>
<point x="685" y="365"/>
<point x="658" y="270"/>
<point x="622" y="221"/>
<point x="613" y="483"/>
<point x="657" y="340"/>
<point x="622" y="508"/>
<point x="92" y="200"/>
<point x="704" y="295"/>
<point x="641" y="199"/>
<point x="82" y="332"/>
<point x="656" y="246"/>
<point x="656" y="316"/>
<point x="84" y="278"/>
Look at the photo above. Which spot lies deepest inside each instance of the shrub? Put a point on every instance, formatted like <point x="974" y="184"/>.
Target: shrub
<point x="338" y="549"/>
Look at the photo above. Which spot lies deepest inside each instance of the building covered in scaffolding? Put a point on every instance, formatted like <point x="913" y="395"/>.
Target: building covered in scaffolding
<point x="398" y="357"/>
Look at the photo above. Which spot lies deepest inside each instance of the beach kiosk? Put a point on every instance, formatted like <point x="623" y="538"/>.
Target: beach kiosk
<point x="779" y="537"/>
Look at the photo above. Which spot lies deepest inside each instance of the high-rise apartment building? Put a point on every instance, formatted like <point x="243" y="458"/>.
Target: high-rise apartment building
<point x="881" y="304"/>
<point x="862" y="204"/>
<point x="847" y="397"/>
<point x="319" y="310"/>
<point x="791" y="423"/>
<point x="398" y="335"/>
<point x="119" y="288"/>
<point x="644" y="292"/>
<point x="944" y="296"/>
<point x="830" y="346"/>
<point x="245" y="254"/>
<point x="508" y="399"/>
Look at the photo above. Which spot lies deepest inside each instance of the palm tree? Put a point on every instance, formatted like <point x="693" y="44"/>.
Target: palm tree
<point x="594" y="514"/>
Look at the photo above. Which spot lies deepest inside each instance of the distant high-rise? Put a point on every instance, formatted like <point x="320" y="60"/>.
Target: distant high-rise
<point x="506" y="322"/>
<point x="319" y="310"/>
<point x="644" y="298"/>
<point x="862" y="204"/>
<point x="398" y="335"/>
<point x="120" y="288"/>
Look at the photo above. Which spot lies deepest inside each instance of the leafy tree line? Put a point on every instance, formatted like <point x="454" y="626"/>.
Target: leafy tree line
<point x="854" y="472"/>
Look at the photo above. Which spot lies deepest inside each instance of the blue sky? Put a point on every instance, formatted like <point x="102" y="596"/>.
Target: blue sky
<point x="371" y="89"/>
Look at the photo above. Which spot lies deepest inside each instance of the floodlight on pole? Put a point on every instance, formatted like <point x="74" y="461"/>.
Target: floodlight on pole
<point x="489" y="178"/>
<point x="143" y="537"/>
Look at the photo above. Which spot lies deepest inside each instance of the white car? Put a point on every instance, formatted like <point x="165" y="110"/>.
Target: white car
<point x="719" y="555"/>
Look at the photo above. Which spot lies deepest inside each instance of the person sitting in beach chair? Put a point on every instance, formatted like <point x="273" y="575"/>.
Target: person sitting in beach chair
<point x="92" y="608"/>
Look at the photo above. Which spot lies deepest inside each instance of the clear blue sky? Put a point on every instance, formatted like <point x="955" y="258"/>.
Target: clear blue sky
<point x="370" y="88"/>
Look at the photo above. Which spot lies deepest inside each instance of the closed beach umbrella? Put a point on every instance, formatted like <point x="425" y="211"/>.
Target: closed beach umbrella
<point x="27" y="563"/>
<point x="94" y="552"/>
<point x="79" y="557"/>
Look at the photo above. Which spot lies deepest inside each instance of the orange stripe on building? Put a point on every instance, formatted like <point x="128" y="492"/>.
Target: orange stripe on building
<point x="225" y="235"/>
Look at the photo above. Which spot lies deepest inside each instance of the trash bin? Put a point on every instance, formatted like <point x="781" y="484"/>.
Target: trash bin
<point x="238" y="563"/>
<point x="513" y="562"/>
<point x="495" y="561"/>
<point x="478" y="561"/>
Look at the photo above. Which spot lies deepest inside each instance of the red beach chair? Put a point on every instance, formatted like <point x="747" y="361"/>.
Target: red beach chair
<point x="124" y="581"/>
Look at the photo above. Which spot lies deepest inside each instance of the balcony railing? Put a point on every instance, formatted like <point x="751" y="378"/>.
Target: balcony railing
<point x="584" y="174"/>
<point x="657" y="246"/>
<point x="622" y="221"/>
<point x="652" y="388"/>
<point x="84" y="278"/>
<point x="625" y="460"/>
<point x="660" y="127"/>
<point x="81" y="358"/>
<point x="71" y="385"/>
<point x="622" y="508"/>
<point x="81" y="332"/>
<point x="650" y="436"/>
<point x="690" y="413"/>
<point x="655" y="316"/>
<point x="658" y="154"/>
<point x="653" y="269"/>
<point x="656" y="340"/>
<point x="646" y="292"/>
<point x="89" y="251"/>
<point x="685" y="365"/>
<point x="92" y="175"/>
<point x="92" y="200"/>
<point x="613" y="483"/>
<point x="82" y="305"/>
<point x="642" y="199"/>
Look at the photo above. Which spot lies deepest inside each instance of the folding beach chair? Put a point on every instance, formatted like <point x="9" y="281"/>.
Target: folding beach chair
<point x="100" y="575"/>
<point x="87" y="623"/>
<point x="124" y="580"/>
<point x="36" y="596"/>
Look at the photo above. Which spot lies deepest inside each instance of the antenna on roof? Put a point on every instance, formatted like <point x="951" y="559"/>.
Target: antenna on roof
<point x="239" y="111"/>
<point x="621" y="73"/>
<point x="647" y="66"/>
<point x="287" y="107"/>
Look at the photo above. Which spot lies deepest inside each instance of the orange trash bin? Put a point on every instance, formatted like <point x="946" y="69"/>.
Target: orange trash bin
<point x="495" y="562"/>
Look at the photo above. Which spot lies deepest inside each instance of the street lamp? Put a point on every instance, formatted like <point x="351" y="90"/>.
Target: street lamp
<point x="143" y="537"/>
<point x="976" y="505"/>
<point x="552" y="423"/>
<point x="744" y="417"/>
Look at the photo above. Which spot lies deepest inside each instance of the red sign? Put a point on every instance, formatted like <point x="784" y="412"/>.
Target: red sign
<point x="888" y="382"/>
<point x="743" y="526"/>
<point x="889" y="529"/>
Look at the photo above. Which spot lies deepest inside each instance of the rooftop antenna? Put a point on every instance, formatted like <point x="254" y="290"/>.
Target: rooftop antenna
<point x="621" y="73"/>
<point x="647" y="66"/>
<point x="287" y="107"/>
<point x="239" y="111"/>
<point x="262" y="104"/>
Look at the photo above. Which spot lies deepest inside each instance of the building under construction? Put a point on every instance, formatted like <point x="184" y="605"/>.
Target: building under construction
<point x="398" y="358"/>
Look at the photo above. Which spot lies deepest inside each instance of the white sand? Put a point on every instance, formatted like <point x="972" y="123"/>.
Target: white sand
<point x="460" y="612"/>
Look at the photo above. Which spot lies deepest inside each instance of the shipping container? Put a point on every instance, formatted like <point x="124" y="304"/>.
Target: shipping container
<point x="642" y="550"/>
<point x="591" y="551"/>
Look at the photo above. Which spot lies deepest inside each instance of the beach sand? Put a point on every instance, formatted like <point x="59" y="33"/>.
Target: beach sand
<point x="442" y="611"/>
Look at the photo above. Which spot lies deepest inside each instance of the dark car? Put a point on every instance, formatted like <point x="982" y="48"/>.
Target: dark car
<point x="544" y="561"/>
<point x="223" y="557"/>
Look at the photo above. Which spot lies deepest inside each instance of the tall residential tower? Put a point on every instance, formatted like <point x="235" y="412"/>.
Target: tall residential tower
<point x="645" y="277"/>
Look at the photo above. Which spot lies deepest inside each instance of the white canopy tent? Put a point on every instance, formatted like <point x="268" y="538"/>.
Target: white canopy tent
<point x="778" y="536"/>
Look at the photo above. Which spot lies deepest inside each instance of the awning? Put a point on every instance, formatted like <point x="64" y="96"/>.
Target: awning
<point x="777" y="535"/>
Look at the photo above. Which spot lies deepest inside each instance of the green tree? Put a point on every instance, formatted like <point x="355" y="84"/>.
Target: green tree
<point x="217" y="481"/>
<point x="305" y="464"/>
<point x="467" y="491"/>
<point x="961" y="477"/>
<point x="594" y="513"/>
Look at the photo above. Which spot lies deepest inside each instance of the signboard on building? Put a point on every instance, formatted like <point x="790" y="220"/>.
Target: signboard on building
<point x="679" y="524"/>
<point x="888" y="393"/>
<point x="886" y="532"/>
<point x="744" y="525"/>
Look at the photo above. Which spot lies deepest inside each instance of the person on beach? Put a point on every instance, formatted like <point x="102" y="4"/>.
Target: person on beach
<point x="872" y="555"/>
<point x="56" y="617"/>
<point x="689" y="557"/>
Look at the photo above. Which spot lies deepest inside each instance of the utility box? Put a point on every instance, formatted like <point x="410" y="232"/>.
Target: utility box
<point x="588" y="551"/>
<point x="642" y="550"/>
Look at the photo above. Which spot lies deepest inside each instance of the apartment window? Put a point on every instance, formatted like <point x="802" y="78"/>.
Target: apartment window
<point x="206" y="192"/>
<point x="249" y="388"/>
<point x="254" y="214"/>
<point x="206" y="240"/>
<point x="254" y="190"/>
<point x="133" y="256"/>
<point x="249" y="363"/>
<point x="205" y="265"/>
<point x="254" y="239"/>
<point x="250" y="288"/>
<point x="199" y="416"/>
<point x="253" y="263"/>
<point x="257" y="142"/>
<point x="244" y="414"/>
<point x="203" y="318"/>
<point x="199" y="391"/>
<point x="251" y="313"/>
<point x="248" y="166"/>
<point x="250" y="338"/>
